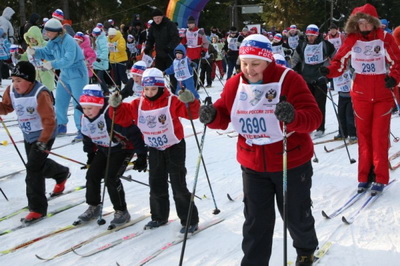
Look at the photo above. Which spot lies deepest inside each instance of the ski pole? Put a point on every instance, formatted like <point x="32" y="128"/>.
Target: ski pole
<point x="200" y="82"/>
<point x="12" y="140"/>
<point x="315" y="160"/>
<point x="395" y="101"/>
<point x="64" y="157"/>
<point x="395" y="139"/>
<point x="130" y="179"/>
<point x="284" y="190"/>
<point x="207" y="101"/>
<point x="216" y="210"/>
<point x="65" y="87"/>
<point x="100" y="220"/>
<point x="2" y="192"/>
<point x="341" y="130"/>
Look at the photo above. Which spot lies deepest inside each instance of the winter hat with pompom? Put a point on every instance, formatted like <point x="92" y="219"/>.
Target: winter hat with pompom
<point x="92" y="95"/>
<point x="79" y="36"/>
<point x="96" y="31"/>
<point x="256" y="46"/>
<point x="153" y="77"/>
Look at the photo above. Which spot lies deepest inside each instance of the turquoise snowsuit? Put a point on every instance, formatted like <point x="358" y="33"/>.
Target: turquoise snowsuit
<point x="66" y="55"/>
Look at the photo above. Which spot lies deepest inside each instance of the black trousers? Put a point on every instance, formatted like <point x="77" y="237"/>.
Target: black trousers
<point x="260" y="192"/>
<point x="97" y="171"/>
<point x="99" y="79"/>
<point x="346" y="116"/>
<point x="162" y="63"/>
<point x="169" y="162"/>
<point x="39" y="167"/>
<point x="206" y="69"/>
<point x="320" y="92"/>
<point x="119" y="73"/>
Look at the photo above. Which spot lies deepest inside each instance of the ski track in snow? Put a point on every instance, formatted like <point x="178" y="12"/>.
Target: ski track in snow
<point x="373" y="239"/>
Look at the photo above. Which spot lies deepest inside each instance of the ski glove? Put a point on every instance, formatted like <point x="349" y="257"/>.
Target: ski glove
<point x="390" y="82"/>
<point x="207" y="113"/>
<point x="140" y="164"/>
<point x="47" y="65"/>
<point x="98" y="60"/>
<point x="41" y="146"/>
<point x="186" y="96"/>
<point x="90" y="157"/>
<point x="321" y="81"/>
<point x="115" y="99"/>
<point x="324" y="70"/>
<point x="192" y="64"/>
<point x="284" y="111"/>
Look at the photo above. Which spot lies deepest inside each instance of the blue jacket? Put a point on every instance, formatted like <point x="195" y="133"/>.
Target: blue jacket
<point x="4" y="46"/>
<point x="180" y="47"/>
<point x="101" y="52"/>
<point x="64" y="54"/>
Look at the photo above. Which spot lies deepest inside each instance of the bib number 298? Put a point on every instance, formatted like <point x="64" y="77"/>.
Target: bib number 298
<point x="367" y="68"/>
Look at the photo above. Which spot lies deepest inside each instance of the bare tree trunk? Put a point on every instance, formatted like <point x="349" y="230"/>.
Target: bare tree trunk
<point x="22" y="16"/>
<point x="66" y="9"/>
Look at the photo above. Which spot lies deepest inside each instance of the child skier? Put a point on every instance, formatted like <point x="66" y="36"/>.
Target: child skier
<point x="157" y="114"/>
<point x="97" y="122"/>
<point x="90" y="55"/>
<point x="134" y="84"/>
<point x="182" y="67"/>
<point x="33" y="103"/>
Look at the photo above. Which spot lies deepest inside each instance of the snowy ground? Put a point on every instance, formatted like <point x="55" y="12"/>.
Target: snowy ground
<point x="373" y="239"/>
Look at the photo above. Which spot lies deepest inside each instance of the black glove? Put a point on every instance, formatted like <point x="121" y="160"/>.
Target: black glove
<point x="284" y="111"/>
<point x="203" y="54"/>
<point x="207" y="113"/>
<point x="321" y="81"/>
<point x="140" y="164"/>
<point x="40" y="146"/>
<point x="324" y="70"/>
<point x="90" y="157"/>
<point x="390" y="82"/>
<point x="98" y="60"/>
<point x="192" y="64"/>
<point x="146" y="51"/>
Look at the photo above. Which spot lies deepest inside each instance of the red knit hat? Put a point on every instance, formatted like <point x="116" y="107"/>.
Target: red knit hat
<point x="367" y="9"/>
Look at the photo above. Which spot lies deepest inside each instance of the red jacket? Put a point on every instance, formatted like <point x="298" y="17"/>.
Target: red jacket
<point x="178" y="109"/>
<point x="195" y="53"/>
<point x="368" y="87"/>
<point x="268" y="158"/>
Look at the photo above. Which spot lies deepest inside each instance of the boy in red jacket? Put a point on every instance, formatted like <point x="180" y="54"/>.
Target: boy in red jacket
<point x="157" y="113"/>
<point x="251" y="102"/>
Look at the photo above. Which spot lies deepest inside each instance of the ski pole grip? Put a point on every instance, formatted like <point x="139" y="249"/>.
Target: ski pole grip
<point x="207" y="100"/>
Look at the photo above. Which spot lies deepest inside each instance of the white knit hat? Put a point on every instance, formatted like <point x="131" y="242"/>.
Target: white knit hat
<point x="138" y="68"/>
<point x="53" y="25"/>
<point x="256" y="46"/>
<point x="112" y="32"/>
<point x="153" y="77"/>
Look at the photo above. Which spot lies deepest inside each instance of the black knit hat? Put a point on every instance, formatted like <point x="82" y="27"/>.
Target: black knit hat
<point x="24" y="70"/>
<point x="191" y="20"/>
<point x="157" y="12"/>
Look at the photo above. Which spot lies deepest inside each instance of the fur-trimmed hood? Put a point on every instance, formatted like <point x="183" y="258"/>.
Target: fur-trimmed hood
<point x="367" y="12"/>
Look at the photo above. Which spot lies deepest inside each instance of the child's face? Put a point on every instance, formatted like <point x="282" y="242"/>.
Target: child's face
<point x="91" y="111"/>
<point x="137" y="79"/>
<point x="33" y="41"/>
<point x="21" y="85"/>
<point x="179" y="56"/>
<point x="253" y="68"/>
<point x="150" y="91"/>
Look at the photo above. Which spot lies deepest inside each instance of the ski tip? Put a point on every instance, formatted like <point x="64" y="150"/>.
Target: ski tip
<point x="229" y="197"/>
<point x="345" y="220"/>
<point x="40" y="258"/>
<point x="326" y="149"/>
<point x="77" y="222"/>
<point x="325" y="215"/>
